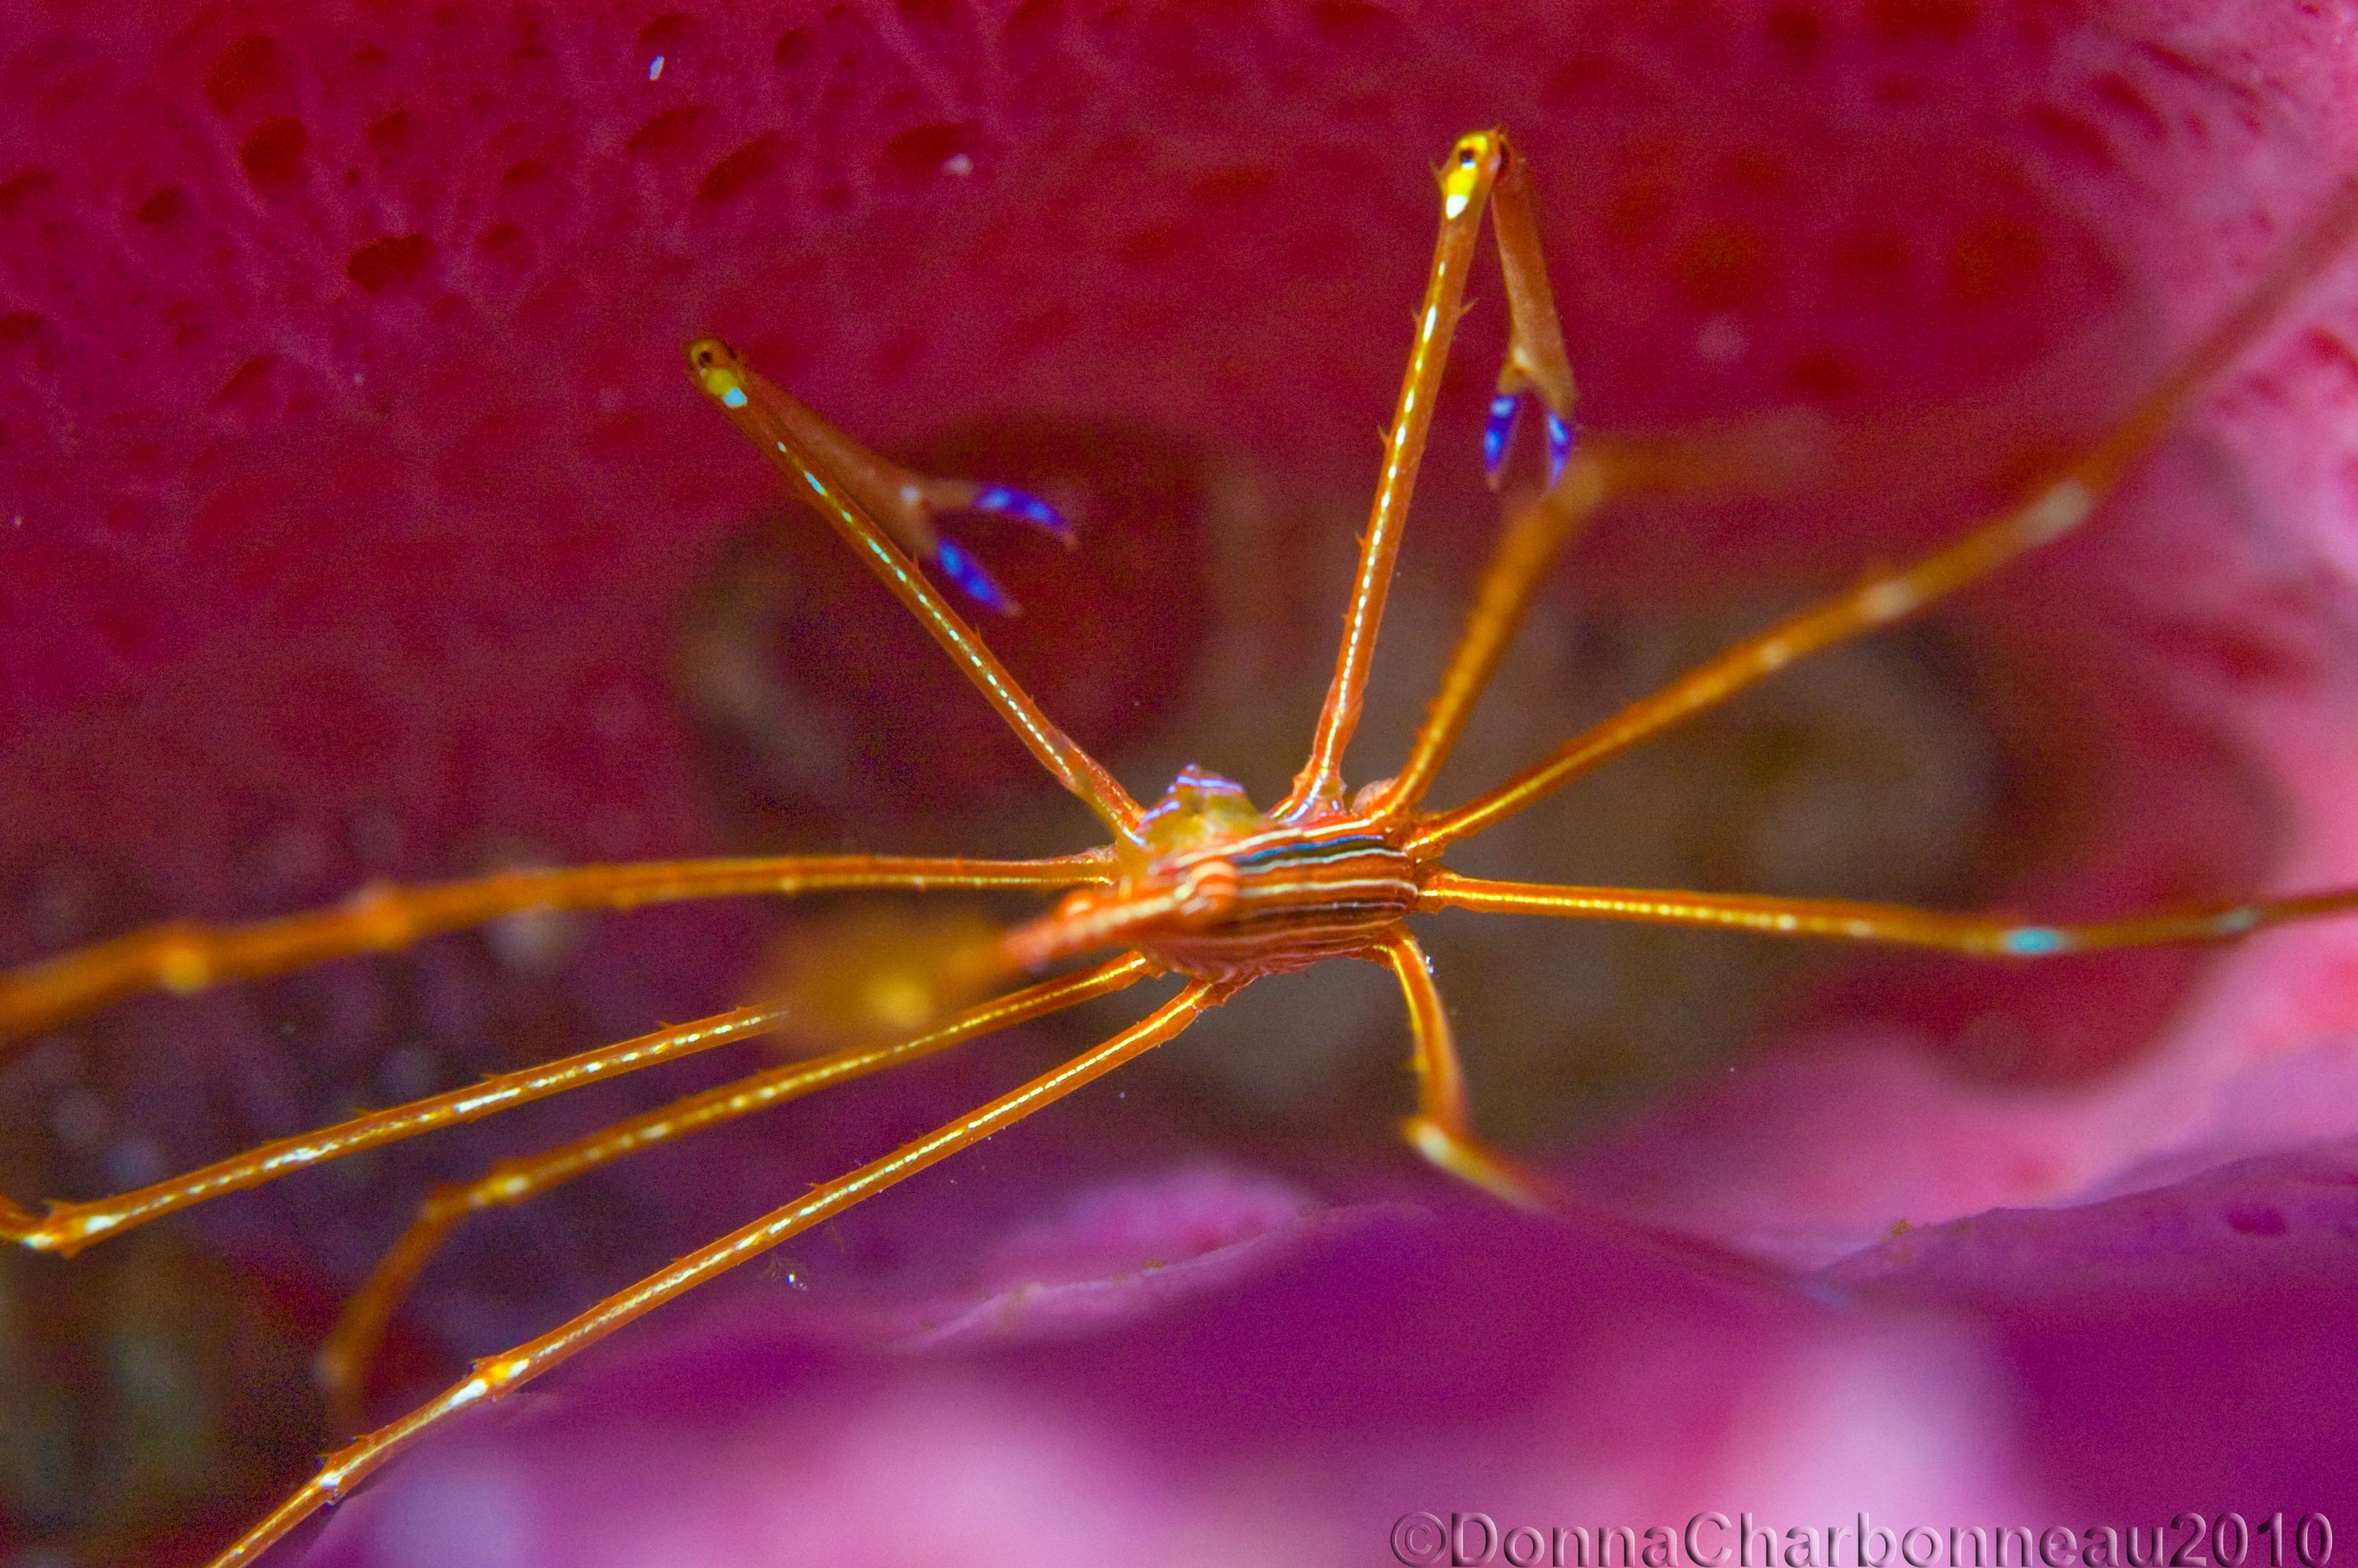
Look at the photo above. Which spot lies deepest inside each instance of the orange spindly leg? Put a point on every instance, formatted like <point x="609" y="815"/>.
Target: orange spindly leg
<point x="343" y="1359"/>
<point x="2055" y="510"/>
<point x="189" y="956"/>
<point x="496" y="1374"/>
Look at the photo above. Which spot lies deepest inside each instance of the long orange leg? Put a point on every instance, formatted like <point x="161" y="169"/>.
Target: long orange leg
<point x="905" y="503"/>
<point x="2055" y="511"/>
<point x="1534" y="536"/>
<point x="68" y="1228"/>
<point x="1536" y="363"/>
<point x="1753" y="455"/>
<point x="496" y="1375"/>
<point x="1480" y="164"/>
<point x="1977" y="936"/>
<point x="1442" y="1130"/>
<point x="188" y="955"/>
<point x="344" y="1361"/>
<point x="762" y="411"/>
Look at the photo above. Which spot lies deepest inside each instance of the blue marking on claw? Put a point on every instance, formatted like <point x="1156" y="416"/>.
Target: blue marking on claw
<point x="1500" y="430"/>
<point x="967" y="572"/>
<point x="1030" y="508"/>
<point x="1561" y="434"/>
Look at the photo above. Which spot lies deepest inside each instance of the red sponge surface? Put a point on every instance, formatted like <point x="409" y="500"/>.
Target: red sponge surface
<point x="353" y="500"/>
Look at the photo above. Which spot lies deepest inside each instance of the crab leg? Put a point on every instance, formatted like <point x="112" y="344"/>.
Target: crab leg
<point x="497" y="1374"/>
<point x="191" y="956"/>
<point x="1841" y="920"/>
<point x="342" y="1362"/>
<point x="761" y="412"/>
<point x="2057" y="509"/>
<point x="1479" y="165"/>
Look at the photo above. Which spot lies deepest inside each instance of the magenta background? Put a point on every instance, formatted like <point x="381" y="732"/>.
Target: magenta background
<point x="360" y="490"/>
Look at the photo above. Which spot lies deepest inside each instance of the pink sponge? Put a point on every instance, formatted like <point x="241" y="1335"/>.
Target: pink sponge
<point x="350" y="496"/>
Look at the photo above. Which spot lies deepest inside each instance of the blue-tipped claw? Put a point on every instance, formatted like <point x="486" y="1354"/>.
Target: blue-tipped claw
<point x="1027" y="508"/>
<point x="963" y="569"/>
<point x="1561" y="434"/>
<point x="1499" y="436"/>
<point x="967" y="572"/>
<point x="1498" y="431"/>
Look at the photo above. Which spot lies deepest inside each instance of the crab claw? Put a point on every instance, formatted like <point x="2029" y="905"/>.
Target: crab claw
<point x="960" y="566"/>
<point x="1499" y="436"/>
<point x="967" y="572"/>
<point x="1499" y="432"/>
<point x="1029" y="509"/>
<point x="1561" y="434"/>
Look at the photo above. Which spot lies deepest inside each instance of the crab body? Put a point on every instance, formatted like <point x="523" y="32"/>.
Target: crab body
<point x="1218" y="891"/>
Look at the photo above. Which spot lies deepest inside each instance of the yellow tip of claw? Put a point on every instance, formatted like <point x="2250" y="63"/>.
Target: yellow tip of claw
<point x="717" y="370"/>
<point x="1472" y="163"/>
